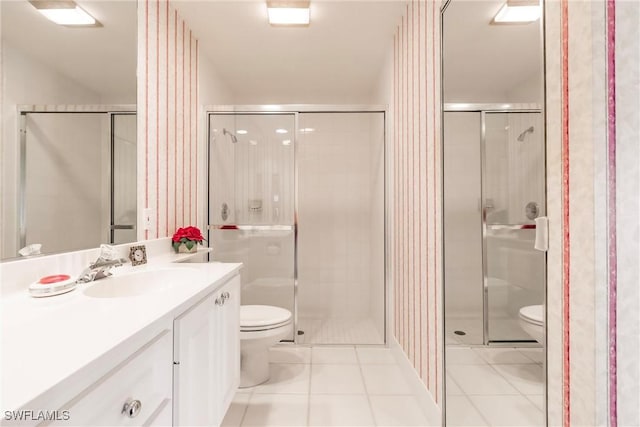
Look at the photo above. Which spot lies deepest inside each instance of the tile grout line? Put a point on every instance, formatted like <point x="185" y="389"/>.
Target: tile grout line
<point x="366" y="390"/>
<point x="492" y="366"/>
<point x="309" y="387"/>
<point x="474" y="406"/>
<point x="520" y="393"/>
<point x="246" y="407"/>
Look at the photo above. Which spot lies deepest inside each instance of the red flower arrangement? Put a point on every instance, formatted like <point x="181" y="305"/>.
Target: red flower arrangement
<point x="189" y="236"/>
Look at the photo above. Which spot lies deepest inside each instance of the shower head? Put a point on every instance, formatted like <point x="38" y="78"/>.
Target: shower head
<point x="234" y="139"/>
<point x="523" y="134"/>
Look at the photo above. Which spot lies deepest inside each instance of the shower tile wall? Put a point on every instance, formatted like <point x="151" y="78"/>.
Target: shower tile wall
<point x="341" y="223"/>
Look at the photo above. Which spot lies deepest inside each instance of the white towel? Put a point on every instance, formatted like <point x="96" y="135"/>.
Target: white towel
<point x="542" y="234"/>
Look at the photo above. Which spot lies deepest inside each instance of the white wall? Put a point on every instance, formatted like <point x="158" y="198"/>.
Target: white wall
<point x="212" y="89"/>
<point x="527" y="91"/>
<point x="26" y="81"/>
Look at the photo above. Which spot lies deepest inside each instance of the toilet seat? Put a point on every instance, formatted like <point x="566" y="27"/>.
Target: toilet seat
<point x="533" y="314"/>
<point x="262" y="317"/>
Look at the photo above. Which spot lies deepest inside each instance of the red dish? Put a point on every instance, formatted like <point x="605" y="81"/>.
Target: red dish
<point x="47" y="280"/>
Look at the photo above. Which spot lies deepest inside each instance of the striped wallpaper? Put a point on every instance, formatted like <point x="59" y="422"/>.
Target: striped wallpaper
<point x="593" y="99"/>
<point x="168" y="154"/>
<point x="417" y="199"/>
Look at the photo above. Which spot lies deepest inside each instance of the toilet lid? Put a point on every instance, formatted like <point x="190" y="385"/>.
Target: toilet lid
<point x="533" y="314"/>
<point x="263" y="316"/>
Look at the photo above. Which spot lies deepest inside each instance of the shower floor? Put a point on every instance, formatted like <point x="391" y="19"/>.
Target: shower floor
<point x="506" y="329"/>
<point x="338" y="331"/>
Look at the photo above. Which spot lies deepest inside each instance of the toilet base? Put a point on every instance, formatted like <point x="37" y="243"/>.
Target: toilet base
<point x="534" y="331"/>
<point x="254" y="367"/>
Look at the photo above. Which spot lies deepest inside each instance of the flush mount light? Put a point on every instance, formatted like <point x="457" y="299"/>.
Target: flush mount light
<point x="518" y="12"/>
<point x="241" y="132"/>
<point x="288" y="12"/>
<point x="282" y="131"/>
<point x="65" y="12"/>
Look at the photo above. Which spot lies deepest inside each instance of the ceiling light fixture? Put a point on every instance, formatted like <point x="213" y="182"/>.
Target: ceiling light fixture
<point x="65" y="12"/>
<point x="518" y="12"/>
<point x="241" y="132"/>
<point x="282" y="131"/>
<point x="289" y="13"/>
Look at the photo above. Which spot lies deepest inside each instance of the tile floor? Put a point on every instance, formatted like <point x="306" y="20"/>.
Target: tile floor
<point x="329" y="386"/>
<point x="495" y="386"/>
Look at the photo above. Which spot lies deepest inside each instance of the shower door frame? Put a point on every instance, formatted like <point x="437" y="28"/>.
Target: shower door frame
<point x="23" y="111"/>
<point x="483" y="110"/>
<point x="296" y="110"/>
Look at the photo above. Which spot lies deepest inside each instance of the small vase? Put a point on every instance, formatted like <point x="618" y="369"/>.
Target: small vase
<point x="183" y="249"/>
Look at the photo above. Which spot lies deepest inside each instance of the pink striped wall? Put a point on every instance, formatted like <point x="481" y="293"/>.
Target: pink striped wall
<point x="416" y="203"/>
<point x="167" y="120"/>
<point x="592" y="305"/>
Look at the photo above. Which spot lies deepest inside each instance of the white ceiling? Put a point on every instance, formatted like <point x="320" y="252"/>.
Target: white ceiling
<point x="337" y="59"/>
<point x="483" y="61"/>
<point x="102" y="59"/>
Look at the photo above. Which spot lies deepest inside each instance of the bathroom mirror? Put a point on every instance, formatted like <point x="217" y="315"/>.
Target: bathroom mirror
<point x="68" y="177"/>
<point x="494" y="188"/>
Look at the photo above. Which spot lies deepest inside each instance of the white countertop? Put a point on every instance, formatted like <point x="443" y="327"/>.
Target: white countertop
<point x="48" y="345"/>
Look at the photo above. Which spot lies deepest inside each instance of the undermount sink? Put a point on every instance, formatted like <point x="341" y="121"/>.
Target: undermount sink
<point x="140" y="282"/>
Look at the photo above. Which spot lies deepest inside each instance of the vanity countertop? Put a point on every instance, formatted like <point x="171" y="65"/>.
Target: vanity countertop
<point x="55" y="347"/>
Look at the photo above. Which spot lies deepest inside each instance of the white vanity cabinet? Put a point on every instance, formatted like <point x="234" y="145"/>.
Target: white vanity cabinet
<point x="206" y="355"/>
<point x="141" y="384"/>
<point x="162" y="353"/>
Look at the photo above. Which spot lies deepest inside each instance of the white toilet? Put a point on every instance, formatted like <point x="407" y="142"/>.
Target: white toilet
<point x="261" y="327"/>
<point x="532" y="321"/>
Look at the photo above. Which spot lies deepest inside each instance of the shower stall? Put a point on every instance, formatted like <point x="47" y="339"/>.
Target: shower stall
<point x="494" y="188"/>
<point x="77" y="159"/>
<point x="298" y="196"/>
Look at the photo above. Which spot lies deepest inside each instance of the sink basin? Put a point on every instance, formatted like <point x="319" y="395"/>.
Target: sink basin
<point x="141" y="282"/>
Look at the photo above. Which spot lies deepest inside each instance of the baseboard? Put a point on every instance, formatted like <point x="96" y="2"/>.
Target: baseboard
<point x="418" y="389"/>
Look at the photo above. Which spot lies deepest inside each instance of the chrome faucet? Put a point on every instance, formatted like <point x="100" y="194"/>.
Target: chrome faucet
<point x="101" y="267"/>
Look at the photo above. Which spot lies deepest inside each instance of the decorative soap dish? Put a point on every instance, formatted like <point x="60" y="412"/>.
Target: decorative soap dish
<point x="52" y="285"/>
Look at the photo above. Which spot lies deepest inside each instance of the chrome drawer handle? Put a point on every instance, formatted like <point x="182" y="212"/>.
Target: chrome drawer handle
<point x="132" y="408"/>
<point x="220" y="301"/>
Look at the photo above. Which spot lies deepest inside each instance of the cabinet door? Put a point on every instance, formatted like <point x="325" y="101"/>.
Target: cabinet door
<point x="144" y="378"/>
<point x="228" y="334"/>
<point x="195" y="391"/>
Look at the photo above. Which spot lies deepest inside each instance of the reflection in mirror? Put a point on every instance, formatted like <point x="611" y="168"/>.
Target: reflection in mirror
<point x="494" y="190"/>
<point x="68" y="129"/>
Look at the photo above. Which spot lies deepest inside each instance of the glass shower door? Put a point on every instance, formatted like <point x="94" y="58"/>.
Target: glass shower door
<point x="513" y="196"/>
<point x="123" y="175"/>
<point x="251" y="203"/>
<point x="341" y="228"/>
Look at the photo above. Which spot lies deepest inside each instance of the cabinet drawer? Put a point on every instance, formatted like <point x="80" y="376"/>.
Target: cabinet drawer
<point x="145" y="376"/>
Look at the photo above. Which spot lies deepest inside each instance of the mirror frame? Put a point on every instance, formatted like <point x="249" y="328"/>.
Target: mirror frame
<point x="543" y="109"/>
